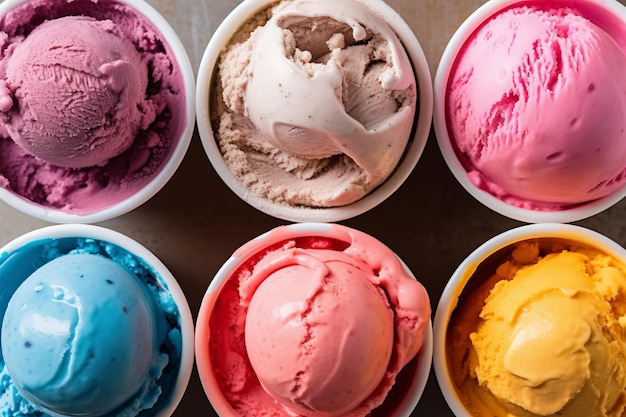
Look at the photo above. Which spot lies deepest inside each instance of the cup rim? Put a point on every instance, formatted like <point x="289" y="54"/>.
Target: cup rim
<point x="415" y="147"/>
<point x="239" y="257"/>
<point x="170" y="166"/>
<point x="461" y="276"/>
<point x="78" y="230"/>
<point x="444" y="140"/>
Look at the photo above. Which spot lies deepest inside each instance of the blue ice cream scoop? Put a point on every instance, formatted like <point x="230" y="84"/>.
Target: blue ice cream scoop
<point x="79" y="337"/>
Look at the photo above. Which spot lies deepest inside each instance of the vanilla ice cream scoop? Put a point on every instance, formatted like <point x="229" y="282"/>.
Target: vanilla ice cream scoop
<point x="299" y="94"/>
<point x="79" y="337"/>
<point x="74" y="92"/>
<point x="543" y="335"/>
<point x="317" y="104"/>
<point x="559" y="311"/>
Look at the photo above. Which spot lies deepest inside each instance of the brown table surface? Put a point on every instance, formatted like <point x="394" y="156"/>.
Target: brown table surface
<point x="195" y="222"/>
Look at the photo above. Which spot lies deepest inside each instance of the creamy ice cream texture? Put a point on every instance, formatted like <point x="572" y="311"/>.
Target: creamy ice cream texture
<point x="543" y="336"/>
<point x="80" y="86"/>
<point x="88" y="329"/>
<point x="91" y="103"/>
<point x="299" y="366"/>
<point x="315" y="326"/>
<point x="58" y="329"/>
<point x="542" y="125"/>
<point x="317" y="105"/>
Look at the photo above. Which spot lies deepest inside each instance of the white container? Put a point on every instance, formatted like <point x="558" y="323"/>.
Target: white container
<point x="423" y="119"/>
<point x="492" y="253"/>
<point x="169" y="166"/>
<point x="454" y="46"/>
<point x="22" y="248"/>
<point x="412" y="386"/>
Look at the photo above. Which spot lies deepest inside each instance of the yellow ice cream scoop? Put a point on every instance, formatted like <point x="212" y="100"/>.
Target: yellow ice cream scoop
<point x="549" y="339"/>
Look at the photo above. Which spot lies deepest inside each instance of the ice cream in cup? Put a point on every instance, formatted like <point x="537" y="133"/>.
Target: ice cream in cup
<point x="314" y="319"/>
<point x="97" y="107"/>
<point x="530" y="98"/>
<point x="314" y="110"/>
<point x="93" y="324"/>
<point x="532" y="324"/>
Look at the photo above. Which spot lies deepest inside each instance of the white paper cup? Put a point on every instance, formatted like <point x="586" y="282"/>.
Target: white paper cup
<point x="592" y="8"/>
<point x="169" y="165"/>
<point x="411" y="382"/>
<point x="25" y="248"/>
<point x="423" y="119"/>
<point x="483" y="261"/>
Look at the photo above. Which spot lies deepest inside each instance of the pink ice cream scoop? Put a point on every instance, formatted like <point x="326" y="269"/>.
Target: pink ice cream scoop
<point x="536" y="107"/>
<point x="95" y="106"/>
<point x="307" y="338"/>
<point x="74" y="92"/>
<point x="311" y="325"/>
